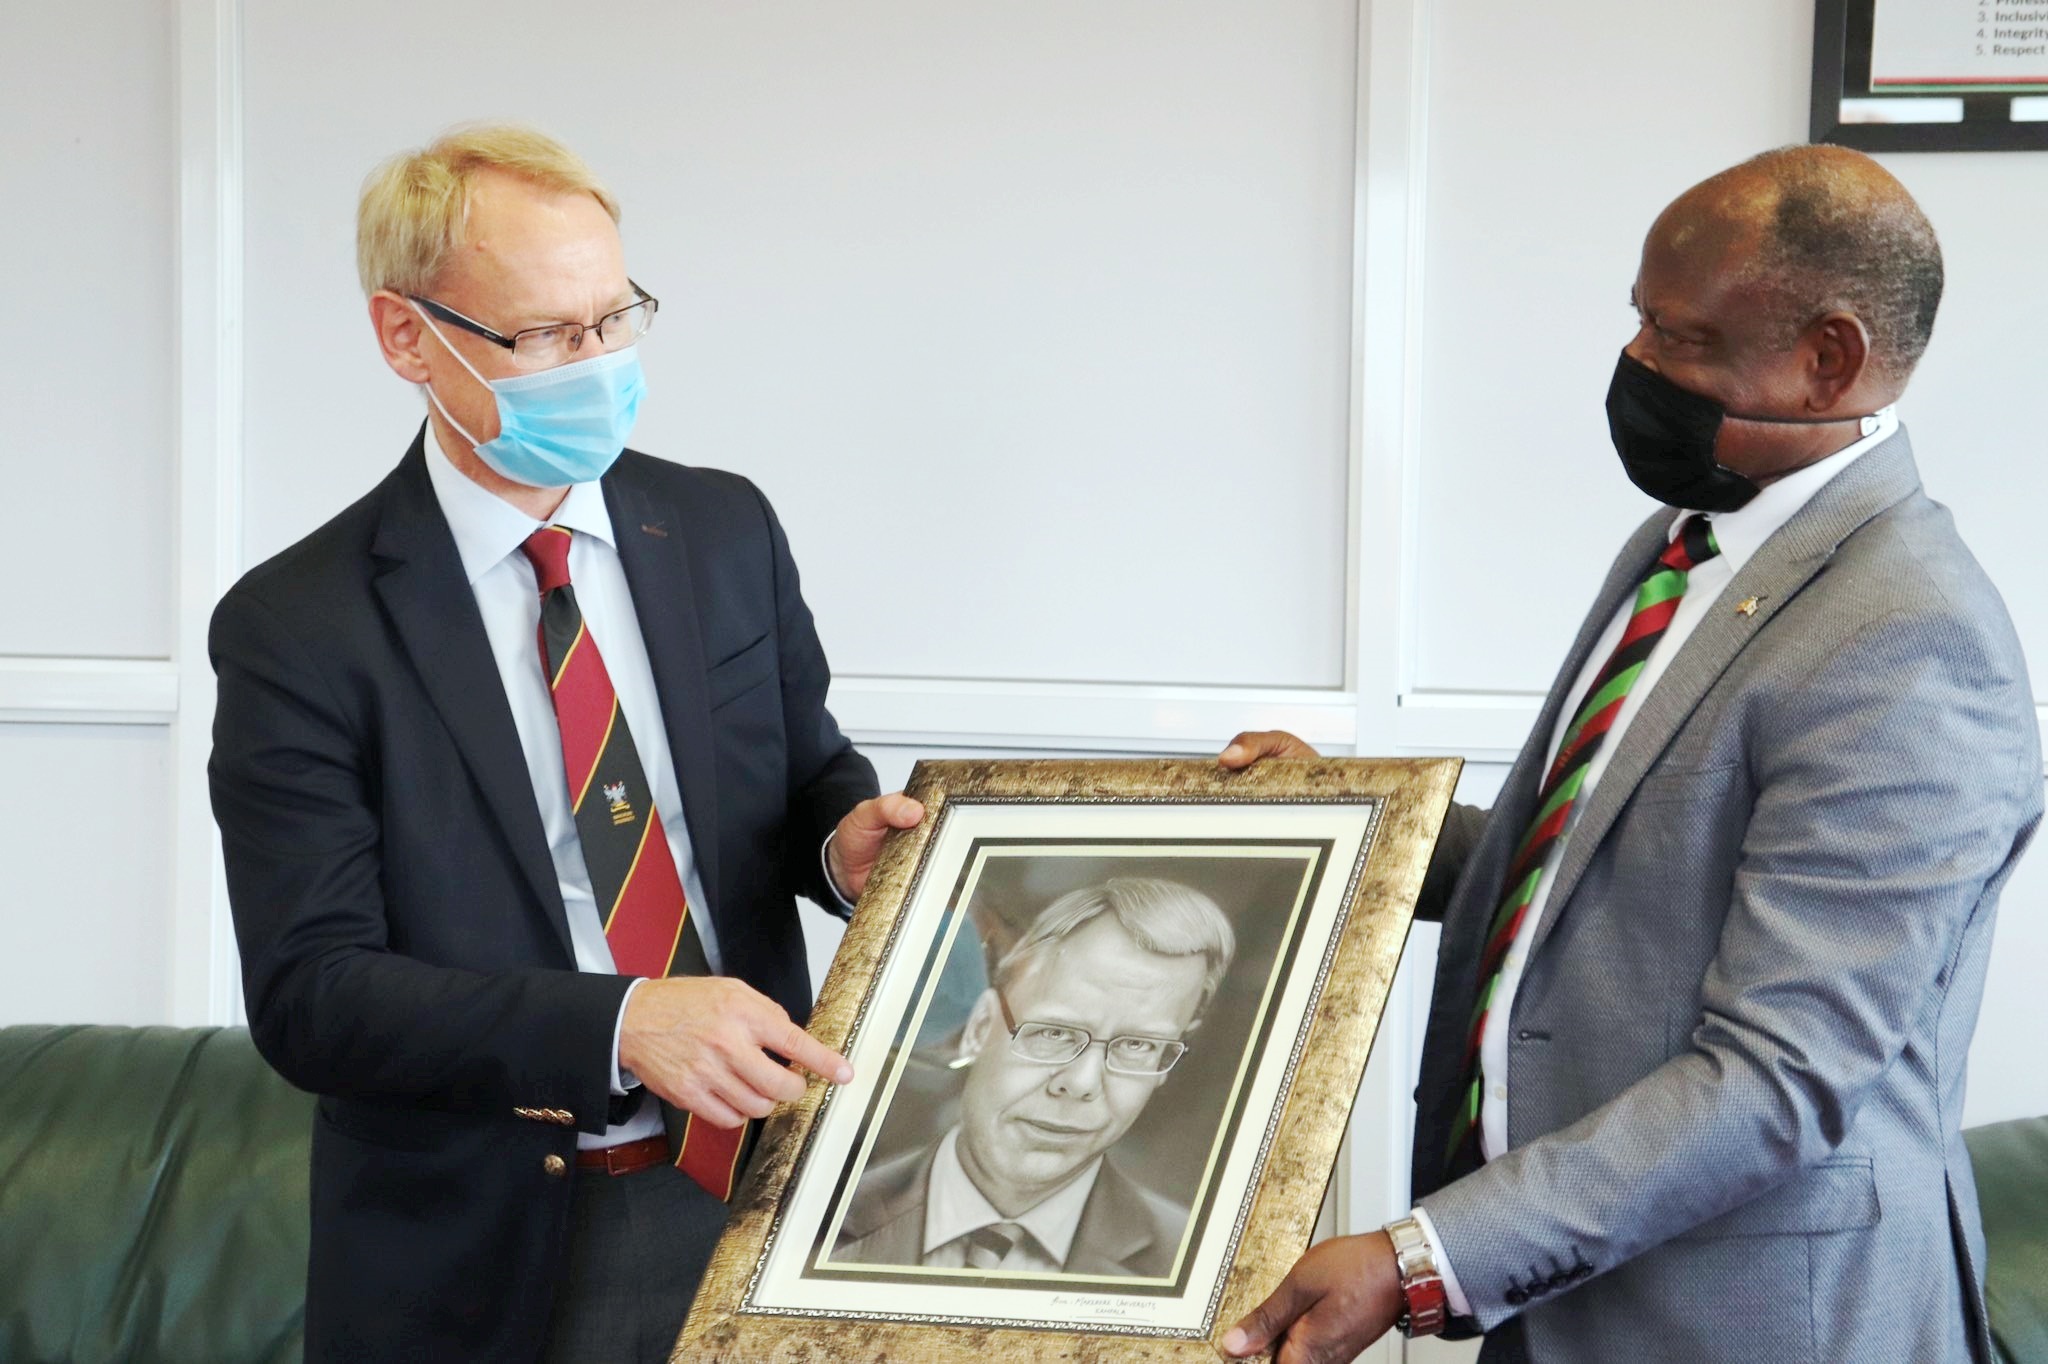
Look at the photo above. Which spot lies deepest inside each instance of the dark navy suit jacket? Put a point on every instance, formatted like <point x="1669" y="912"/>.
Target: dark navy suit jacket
<point x="405" y="951"/>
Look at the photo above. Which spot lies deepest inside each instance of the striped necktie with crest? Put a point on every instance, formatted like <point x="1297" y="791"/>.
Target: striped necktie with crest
<point x="648" y="920"/>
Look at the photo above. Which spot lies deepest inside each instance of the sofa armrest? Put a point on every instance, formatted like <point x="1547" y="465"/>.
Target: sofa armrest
<point x="2011" y="1163"/>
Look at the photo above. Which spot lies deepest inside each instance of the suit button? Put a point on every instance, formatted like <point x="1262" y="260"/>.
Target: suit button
<point x="1516" y="1297"/>
<point x="553" y="1166"/>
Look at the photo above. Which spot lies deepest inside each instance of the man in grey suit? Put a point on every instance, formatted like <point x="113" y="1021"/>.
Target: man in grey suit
<point x="1709" y="969"/>
<point x="1085" y="1018"/>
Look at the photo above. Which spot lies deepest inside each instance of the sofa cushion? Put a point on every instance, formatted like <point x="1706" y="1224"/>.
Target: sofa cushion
<point x="153" y="1198"/>
<point x="2011" y="1162"/>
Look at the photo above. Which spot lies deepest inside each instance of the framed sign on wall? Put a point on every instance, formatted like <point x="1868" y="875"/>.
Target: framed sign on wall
<point x="1931" y="75"/>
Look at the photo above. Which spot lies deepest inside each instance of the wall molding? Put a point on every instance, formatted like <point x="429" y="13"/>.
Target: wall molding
<point x="1477" y="725"/>
<point x="205" y="971"/>
<point x="100" y="691"/>
<point x="1082" y="715"/>
<point x="1391" y="150"/>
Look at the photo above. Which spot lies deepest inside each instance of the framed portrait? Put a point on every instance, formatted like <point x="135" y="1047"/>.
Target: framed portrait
<point x="1107" y="1021"/>
<point x="1931" y="75"/>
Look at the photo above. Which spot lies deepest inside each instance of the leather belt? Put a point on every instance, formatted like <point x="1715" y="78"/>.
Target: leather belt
<point x="626" y="1158"/>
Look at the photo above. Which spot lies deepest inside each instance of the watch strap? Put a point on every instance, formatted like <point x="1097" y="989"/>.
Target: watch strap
<point x="1425" y="1304"/>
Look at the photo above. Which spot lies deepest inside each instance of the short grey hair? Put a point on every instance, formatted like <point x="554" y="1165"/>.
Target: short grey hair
<point x="1160" y="916"/>
<point x="1838" y="237"/>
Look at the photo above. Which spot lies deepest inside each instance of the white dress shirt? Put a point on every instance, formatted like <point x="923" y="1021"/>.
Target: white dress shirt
<point x="488" y="533"/>
<point x="1739" y="534"/>
<point x="954" y="1207"/>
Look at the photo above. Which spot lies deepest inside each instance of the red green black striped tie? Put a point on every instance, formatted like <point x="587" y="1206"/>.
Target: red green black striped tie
<point x="646" y="914"/>
<point x="1656" y="603"/>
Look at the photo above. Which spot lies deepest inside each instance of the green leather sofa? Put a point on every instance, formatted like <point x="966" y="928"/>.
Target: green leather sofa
<point x="152" y="1198"/>
<point x="153" y="1203"/>
<point x="2011" y="1159"/>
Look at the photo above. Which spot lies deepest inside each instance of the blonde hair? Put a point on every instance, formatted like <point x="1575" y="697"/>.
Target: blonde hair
<point x="415" y="205"/>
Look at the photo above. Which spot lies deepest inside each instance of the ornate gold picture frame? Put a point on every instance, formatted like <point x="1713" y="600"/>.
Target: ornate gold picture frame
<point x="1107" y="1019"/>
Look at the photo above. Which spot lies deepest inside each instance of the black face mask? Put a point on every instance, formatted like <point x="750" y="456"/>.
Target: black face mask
<point x="1665" y="436"/>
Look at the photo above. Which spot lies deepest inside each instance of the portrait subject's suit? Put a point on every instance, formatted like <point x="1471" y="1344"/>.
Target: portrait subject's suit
<point x="1124" y="1228"/>
<point x="406" y="954"/>
<point x="1737" y="1049"/>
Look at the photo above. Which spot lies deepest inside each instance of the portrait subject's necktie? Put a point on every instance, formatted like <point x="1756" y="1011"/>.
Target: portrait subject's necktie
<point x="1657" y="599"/>
<point x="988" y="1246"/>
<point x="647" y="918"/>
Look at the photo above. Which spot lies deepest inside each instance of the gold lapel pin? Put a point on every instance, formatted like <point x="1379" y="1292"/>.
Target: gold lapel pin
<point x="1747" y="606"/>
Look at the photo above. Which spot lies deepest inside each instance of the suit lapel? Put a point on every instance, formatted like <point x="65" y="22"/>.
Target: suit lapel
<point x="1115" y="1227"/>
<point x="656" y="559"/>
<point x="885" y="1224"/>
<point x="1774" y="575"/>
<point x="426" y="593"/>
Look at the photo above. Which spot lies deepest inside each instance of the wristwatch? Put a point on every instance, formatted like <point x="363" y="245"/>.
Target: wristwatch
<point x="1424" y="1304"/>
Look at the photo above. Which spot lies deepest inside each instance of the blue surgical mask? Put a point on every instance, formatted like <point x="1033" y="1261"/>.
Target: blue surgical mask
<point x="562" y="425"/>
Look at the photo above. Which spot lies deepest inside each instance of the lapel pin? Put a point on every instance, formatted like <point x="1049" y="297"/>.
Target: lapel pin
<point x="1748" y="606"/>
<point x="655" y="528"/>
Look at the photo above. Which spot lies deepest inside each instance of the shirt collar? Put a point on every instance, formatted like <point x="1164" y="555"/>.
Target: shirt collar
<point x="487" y="527"/>
<point x="1740" y="533"/>
<point x="953" y="1206"/>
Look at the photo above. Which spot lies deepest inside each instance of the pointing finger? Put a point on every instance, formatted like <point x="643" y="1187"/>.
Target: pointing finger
<point x="798" y="1047"/>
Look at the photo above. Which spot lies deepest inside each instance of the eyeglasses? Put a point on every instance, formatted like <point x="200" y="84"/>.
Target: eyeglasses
<point x="1057" y="1044"/>
<point x="546" y="347"/>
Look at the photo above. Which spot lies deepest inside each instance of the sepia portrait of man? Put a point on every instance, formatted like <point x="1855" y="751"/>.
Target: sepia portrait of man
<point x="1084" y="1018"/>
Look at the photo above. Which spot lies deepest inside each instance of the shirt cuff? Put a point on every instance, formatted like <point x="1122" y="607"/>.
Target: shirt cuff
<point x="624" y="1081"/>
<point x="825" y="865"/>
<point x="1460" y="1304"/>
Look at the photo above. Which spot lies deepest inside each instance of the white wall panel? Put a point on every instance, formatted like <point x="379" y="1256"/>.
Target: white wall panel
<point x="87" y="922"/>
<point x="1033" y="319"/>
<point x="1973" y="407"/>
<point x="1557" y="133"/>
<point x="1529" y="259"/>
<point x="88" y="358"/>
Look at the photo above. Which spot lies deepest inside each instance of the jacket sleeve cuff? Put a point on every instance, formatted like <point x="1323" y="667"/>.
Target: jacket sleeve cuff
<point x="845" y="906"/>
<point x="1460" y="1305"/>
<point x="624" y="1080"/>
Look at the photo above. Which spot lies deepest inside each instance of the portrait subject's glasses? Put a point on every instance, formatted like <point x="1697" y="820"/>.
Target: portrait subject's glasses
<point x="556" y="344"/>
<point x="1058" y="1044"/>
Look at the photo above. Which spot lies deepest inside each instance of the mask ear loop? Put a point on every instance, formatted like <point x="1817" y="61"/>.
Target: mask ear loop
<point x="1867" y="424"/>
<point x="434" y="397"/>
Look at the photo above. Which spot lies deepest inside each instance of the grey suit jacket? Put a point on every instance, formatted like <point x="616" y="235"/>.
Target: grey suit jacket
<point x="1124" y="1229"/>
<point x="1737" y="1051"/>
